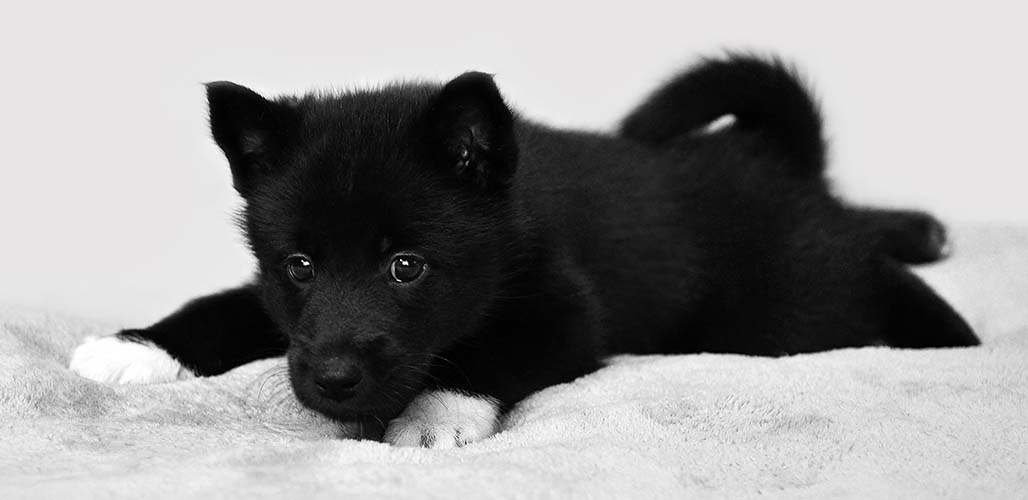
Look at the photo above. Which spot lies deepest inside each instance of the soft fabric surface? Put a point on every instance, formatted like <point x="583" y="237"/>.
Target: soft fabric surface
<point x="858" y="423"/>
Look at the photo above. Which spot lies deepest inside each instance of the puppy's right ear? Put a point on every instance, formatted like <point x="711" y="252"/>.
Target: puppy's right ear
<point x="251" y="130"/>
<point x="472" y="130"/>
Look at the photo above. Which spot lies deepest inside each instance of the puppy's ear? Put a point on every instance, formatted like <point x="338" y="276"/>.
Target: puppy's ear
<point x="472" y="131"/>
<point x="251" y="130"/>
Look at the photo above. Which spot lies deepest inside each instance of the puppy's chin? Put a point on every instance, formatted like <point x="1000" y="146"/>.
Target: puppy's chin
<point x="355" y="408"/>
<point x="375" y="403"/>
<point x="382" y="395"/>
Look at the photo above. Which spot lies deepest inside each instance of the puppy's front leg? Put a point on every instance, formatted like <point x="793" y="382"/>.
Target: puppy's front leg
<point x="550" y="341"/>
<point x="207" y="336"/>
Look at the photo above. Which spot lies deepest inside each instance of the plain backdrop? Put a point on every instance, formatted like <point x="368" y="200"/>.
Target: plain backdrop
<point x="115" y="203"/>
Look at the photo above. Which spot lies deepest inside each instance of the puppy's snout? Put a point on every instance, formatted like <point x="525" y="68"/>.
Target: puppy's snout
<point x="338" y="378"/>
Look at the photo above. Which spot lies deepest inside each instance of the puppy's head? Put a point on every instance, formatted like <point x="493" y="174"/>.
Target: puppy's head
<point x="379" y="220"/>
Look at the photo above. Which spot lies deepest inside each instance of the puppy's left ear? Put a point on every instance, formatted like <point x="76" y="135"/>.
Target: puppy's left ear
<point x="252" y="131"/>
<point x="472" y="131"/>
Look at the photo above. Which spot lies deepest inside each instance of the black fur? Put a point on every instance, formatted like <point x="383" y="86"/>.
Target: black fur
<point x="764" y="96"/>
<point x="546" y="250"/>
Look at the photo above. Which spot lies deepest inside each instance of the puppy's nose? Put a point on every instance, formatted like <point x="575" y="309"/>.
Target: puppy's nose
<point x="339" y="379"/>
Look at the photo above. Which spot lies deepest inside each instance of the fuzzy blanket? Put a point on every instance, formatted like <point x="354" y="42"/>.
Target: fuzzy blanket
<point x="859" y="423"/>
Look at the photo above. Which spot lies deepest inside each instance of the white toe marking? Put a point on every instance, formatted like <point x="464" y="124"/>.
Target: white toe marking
<point x="117" y="361"/>
<point x="444" y="419"/>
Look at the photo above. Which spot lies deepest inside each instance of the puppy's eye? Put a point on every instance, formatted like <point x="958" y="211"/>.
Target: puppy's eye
<point x="406" y="268"/>
<point x="300" y="268"/>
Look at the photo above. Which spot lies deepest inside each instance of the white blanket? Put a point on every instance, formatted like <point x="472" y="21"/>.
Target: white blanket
<point x="857" y="423"/>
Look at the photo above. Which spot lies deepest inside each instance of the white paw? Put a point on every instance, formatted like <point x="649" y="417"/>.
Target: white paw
<point x="444" y="419"/>
<point x="114" y="360"/>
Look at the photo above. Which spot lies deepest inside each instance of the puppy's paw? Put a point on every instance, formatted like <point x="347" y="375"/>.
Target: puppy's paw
<point x="123" y="359"/>
<point x="919" y="238"/>
<point x="931" y="234"/>
<point x="444" y="419"/>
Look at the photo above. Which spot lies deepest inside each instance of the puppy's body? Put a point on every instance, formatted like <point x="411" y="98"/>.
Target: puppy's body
<point x="536" y="252"/>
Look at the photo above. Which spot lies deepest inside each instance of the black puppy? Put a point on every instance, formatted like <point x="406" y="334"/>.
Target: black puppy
<point x="427" y="258"/>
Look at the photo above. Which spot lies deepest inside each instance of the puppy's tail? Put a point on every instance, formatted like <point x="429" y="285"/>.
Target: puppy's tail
<point x="762" y="95"/>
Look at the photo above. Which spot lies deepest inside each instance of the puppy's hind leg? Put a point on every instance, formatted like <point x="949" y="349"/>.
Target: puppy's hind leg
<point x="915" y="316"/>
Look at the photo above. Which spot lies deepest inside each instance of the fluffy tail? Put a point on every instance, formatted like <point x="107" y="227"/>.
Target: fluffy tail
<point x="764" y="96"/>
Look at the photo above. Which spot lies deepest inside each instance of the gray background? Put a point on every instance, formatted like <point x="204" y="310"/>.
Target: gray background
<point x="114" y="202"/>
